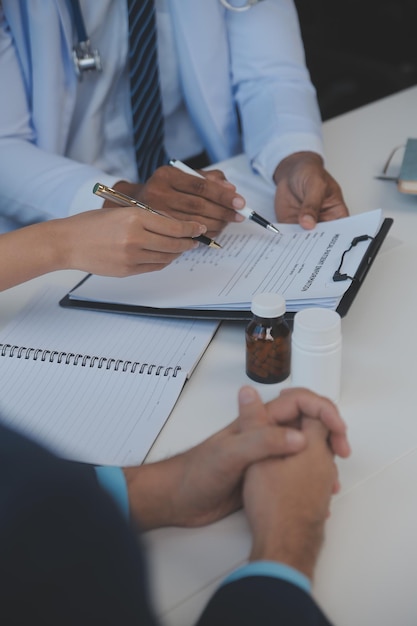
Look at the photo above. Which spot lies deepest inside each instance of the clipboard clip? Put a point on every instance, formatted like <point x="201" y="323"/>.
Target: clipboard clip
<point x="338" y="276"/>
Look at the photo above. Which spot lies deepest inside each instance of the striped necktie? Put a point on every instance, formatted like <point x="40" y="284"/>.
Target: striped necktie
<point x="148" y="123"/>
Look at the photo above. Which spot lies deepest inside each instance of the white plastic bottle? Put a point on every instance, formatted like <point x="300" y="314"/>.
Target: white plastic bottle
<point x="316" y="360"/>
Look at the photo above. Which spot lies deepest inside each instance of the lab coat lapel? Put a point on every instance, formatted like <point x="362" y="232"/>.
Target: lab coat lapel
<point x="202" y="44"/>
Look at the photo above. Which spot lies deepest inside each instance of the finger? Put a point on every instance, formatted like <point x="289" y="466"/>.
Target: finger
<point x="252" y="411"/>
<point x="315" y="429"/>
<point x="174" y="192"/>
<point x="217" y="176"/>
<point x="316" y="434"/>
<point x="314" y="193"/>
<point x="183" y="206"/>
<point x="165" y="236"/>
<point x="141" y="268"/>
<point x="334" y="206"/>
<point x="209" y="187"/>
<point x="293" y="402"/>
<point x="162" y="248"/>
<point x="214" y="186"/>
<point x="161" y="193"/>
<point x="215" y="222"/>
<point x="262" y="443"/>
<point x="336" y="487"/>
<point x="338" y="444"/>
<point x="257" y="442"/>
<point x="333" y="213"/>
<point x="165" y="247"/>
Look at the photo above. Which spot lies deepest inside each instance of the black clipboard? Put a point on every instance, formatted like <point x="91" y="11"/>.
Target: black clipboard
<point x="242" y="315"/>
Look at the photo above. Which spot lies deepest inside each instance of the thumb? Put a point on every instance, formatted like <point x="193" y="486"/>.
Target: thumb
<point x="256" y="442"/>
<point x="252" y="411"/>
<point x="311" y="205"/>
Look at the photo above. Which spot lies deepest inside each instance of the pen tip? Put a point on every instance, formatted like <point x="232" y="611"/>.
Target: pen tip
<point x="214" y="244"/>
<point x="274" y="230"/>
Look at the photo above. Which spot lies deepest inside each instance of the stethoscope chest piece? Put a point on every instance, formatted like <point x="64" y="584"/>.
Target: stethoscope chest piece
<point x="86" y="58"/>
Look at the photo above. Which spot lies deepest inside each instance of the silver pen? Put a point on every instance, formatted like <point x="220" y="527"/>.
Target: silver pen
<point x="246" y="212"/>
<point x="123" y="200"/>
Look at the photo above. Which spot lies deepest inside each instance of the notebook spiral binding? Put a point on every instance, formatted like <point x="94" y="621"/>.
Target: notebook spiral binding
<point x="72" y="358"/>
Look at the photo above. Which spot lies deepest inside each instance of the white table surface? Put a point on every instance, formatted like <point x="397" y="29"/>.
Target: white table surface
<point x="367" y="573"/>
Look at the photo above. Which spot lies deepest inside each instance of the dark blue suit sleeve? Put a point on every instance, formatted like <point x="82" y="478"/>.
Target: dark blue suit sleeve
<point x="68" y="557"/>
<point x="264" y="600"/>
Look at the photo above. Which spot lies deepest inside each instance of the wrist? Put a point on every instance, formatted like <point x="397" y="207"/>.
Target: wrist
<point x="67" y="242"/>
<point x="295" y="158"/>
<point x="151" y="489"/>
<point x="58" y="244"/>
<point x="297" y="546"/>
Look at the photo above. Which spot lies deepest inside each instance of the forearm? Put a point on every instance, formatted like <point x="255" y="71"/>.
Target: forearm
<point x="31" y="251"/>
<point x="151" y="493"/>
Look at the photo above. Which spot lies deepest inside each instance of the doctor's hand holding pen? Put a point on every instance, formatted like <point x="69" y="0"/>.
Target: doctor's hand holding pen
<point x="305" y="194"/>
<point x="210" y="199"/>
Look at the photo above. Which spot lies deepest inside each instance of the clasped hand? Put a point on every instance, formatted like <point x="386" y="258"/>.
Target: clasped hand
<point x="215" y="478"/>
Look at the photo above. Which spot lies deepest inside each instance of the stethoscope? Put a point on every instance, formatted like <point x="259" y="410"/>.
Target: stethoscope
<point x="249" y="4"/>
<point x="87" y="59"/>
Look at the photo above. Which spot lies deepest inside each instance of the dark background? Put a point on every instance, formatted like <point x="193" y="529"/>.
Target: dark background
<point x="358" y="51"/>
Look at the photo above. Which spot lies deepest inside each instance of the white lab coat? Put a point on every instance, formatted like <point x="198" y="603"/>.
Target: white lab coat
<point x="254" y="59"/>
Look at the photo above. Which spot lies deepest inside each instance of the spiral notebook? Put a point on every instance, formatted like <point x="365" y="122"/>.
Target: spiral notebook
<point x="94" y="387"/>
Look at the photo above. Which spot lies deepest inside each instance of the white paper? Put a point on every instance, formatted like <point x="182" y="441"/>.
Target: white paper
<point x="297" y="263"/>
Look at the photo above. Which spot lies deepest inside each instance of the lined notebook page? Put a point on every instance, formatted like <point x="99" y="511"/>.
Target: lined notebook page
<point x="90" y="413"/>
<point x="171" y="342"/>
<point x="87" y="414"/>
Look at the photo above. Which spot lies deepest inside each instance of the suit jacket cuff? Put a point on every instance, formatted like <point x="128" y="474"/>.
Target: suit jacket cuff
<point x="272" y="569"/>
<point x="112" y="480"/>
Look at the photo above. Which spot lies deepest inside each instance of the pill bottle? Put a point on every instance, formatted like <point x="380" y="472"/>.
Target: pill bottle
<point x="316" y="360"/>
<point x="268" y="340"/>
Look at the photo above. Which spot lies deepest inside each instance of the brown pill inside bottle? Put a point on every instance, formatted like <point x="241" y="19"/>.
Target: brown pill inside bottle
<point x="268" y="340"/>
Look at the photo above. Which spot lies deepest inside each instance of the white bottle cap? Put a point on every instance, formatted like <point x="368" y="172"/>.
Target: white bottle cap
<point x="268" y="305"/>
<point x="317" y="327"/>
